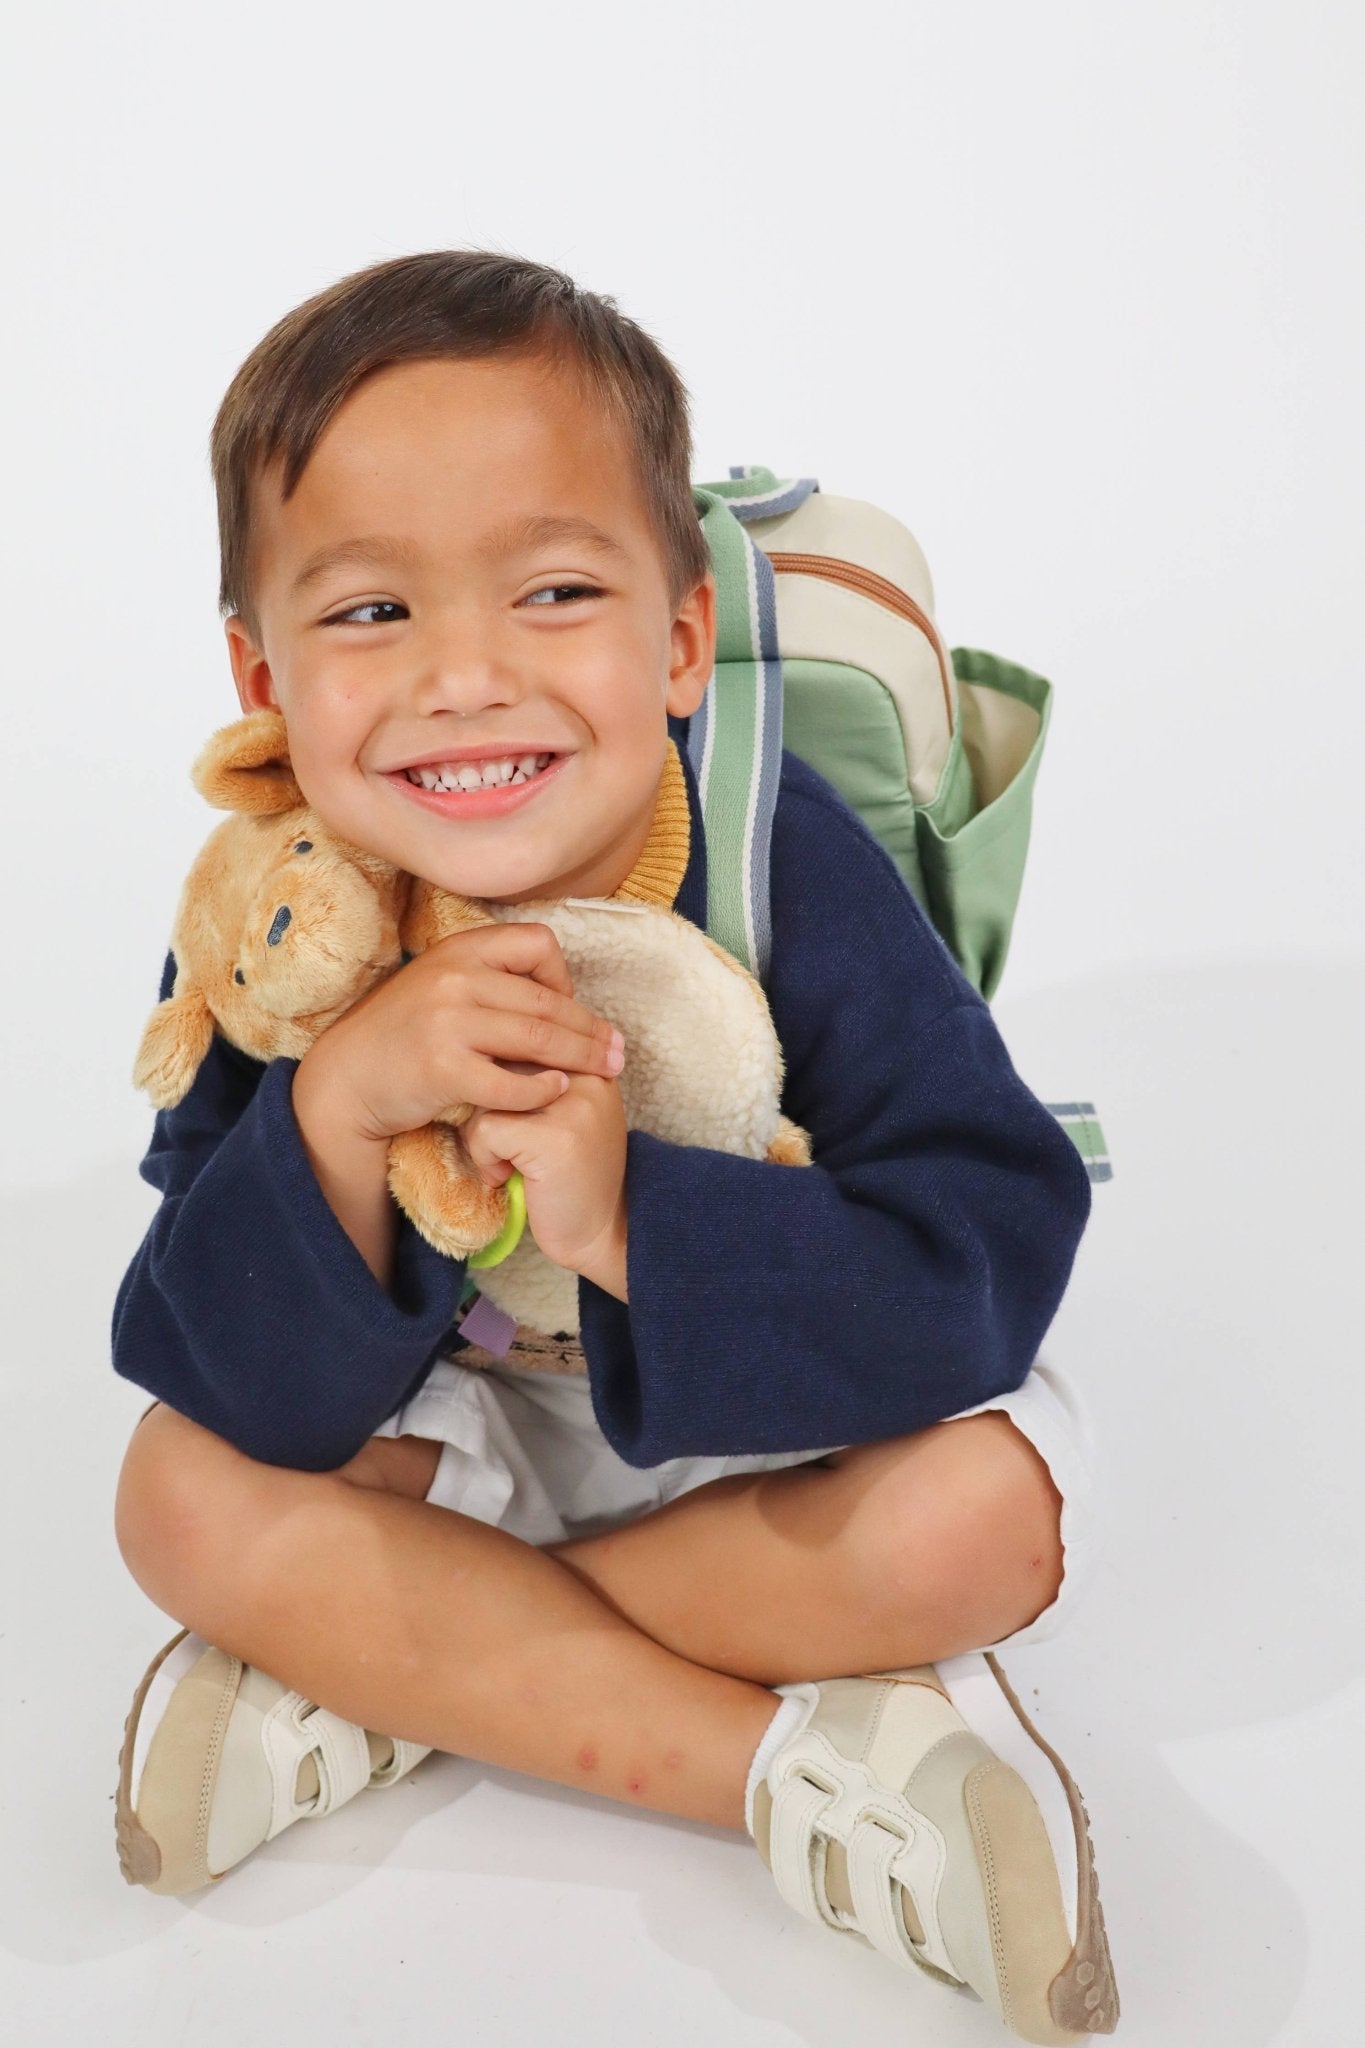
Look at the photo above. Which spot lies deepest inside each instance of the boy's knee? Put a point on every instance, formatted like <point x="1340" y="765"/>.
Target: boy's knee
<point x="1025" y="1509"/>
<point x="168" y="1508"/>
<point x="141" y="1502"/>
<point x="986" y="1517"/>
<point x="198" y="1520"/>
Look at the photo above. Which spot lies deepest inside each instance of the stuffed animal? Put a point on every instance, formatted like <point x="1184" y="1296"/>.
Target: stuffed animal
<point x="281" y="927"/>
<point x="703" y="1062"/>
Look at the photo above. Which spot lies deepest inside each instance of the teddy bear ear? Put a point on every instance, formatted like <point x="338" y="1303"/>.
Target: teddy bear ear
<point x="245" y="767"/>
<point x="174" y="1046"/>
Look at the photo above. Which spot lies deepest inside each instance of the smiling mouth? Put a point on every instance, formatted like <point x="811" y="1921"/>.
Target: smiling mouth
<point x="511" y="770"/>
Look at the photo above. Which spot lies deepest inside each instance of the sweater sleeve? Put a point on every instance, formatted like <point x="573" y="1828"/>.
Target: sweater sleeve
<point x="914" y="1267"/>
<point x="246" y="1306"/>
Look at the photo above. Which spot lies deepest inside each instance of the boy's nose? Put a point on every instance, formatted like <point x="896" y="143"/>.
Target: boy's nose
<point x="460" y="670"/>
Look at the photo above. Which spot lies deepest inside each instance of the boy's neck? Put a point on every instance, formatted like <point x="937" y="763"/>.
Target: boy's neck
<point x="662" y="861"/>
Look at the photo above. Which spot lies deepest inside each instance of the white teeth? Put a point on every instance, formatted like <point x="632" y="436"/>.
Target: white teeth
<point x="467" y="775"/>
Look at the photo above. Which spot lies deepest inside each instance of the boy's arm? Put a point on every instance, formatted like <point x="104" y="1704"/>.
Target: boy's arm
<point x="913" y="1269"/>
<point x="247" y="1306"/>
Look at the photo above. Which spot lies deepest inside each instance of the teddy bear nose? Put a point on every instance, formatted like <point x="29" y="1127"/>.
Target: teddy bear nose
<point x="282" y="920"/>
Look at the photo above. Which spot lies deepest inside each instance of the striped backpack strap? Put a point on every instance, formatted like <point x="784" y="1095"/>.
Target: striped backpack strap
<point x="734" y="738"/>
<point x="734" y="745"/>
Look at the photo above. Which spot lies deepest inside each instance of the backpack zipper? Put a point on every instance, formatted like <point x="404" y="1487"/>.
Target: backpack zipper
<point x="880" y="589"/>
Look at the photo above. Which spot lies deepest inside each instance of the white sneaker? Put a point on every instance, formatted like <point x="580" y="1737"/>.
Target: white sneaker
<point x="213" y="1753"/>
<point x="921" y="1812"/>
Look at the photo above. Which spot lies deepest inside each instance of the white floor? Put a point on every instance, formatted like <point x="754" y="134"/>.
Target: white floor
<point x="1209" y="1695"/>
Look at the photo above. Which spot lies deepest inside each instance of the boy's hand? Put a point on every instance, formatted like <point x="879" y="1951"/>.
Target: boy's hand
<point x="434" y="1034"/>
<point x="572" y="1159"/>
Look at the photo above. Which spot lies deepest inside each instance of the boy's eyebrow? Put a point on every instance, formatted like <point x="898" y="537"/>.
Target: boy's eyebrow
<point x="392" y="554"/>
<point x="546" y="529"/>
<point x="540" y="529"/>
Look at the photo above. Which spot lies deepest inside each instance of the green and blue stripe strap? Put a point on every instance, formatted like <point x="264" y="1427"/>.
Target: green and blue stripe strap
<point x="734" y="738"/>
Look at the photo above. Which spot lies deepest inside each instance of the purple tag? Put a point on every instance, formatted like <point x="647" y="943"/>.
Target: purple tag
<point x="488" y="1326"/>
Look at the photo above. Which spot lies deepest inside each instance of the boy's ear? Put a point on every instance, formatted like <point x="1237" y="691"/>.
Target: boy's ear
<point x="245" y="767"/>
<point x="174" y="1047"/>
<point x="693" y="649"/>
<point x="250" y="669"/>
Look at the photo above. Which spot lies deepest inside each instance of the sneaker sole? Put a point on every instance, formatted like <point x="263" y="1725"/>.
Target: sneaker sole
<point x="1083" y="1995"/>
<point x="139" y="1857"/>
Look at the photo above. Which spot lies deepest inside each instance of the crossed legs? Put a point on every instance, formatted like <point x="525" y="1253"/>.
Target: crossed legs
<point x="636" y="1663"/>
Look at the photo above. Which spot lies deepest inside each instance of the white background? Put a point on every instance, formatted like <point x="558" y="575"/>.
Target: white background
<point x="1075" y="292"/>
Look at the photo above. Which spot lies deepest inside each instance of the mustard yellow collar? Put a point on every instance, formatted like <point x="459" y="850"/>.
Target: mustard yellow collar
<point x="658" y="873"/>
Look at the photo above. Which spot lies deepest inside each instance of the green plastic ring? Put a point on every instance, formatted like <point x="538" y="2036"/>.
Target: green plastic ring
<point x="509" y="1236"/>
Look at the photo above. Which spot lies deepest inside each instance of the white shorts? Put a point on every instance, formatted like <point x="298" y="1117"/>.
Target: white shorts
<point x="524" y="1452"/>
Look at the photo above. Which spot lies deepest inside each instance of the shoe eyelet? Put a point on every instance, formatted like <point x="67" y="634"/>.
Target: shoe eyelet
<point x="810" y="1776"/>
<point x="878" y="1819"/>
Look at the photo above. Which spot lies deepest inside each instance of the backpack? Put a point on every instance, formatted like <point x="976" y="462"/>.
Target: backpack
<point x="826" y="644"/>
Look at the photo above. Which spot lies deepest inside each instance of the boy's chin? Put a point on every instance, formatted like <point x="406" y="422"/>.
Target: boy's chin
<point x="487" y="882"/>
<point x="415" y="847"/>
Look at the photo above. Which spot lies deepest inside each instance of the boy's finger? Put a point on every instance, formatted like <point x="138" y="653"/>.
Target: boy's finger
<point x="478" y="1148"/>
<point x="518" y="994"/>
<point x="517" y="1086"/>
<point x="529" y="949"/>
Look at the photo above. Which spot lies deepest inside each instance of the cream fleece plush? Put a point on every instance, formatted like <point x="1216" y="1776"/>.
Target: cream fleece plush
<point x="281" y="927"/>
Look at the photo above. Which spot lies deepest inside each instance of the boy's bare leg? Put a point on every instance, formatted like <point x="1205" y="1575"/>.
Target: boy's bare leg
<point x="414" y="1621"/>
<point x="584" y="1663"/>
<point x="895" y="1553"/>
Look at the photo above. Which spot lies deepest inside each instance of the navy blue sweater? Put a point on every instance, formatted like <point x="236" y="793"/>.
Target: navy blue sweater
<point x="912" y="1270"/>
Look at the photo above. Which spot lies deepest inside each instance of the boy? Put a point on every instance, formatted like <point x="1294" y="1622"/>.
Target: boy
<point x="800" y="1434"/>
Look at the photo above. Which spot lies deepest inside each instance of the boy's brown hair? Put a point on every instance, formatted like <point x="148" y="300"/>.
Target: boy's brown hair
<point x="454" y="303"/>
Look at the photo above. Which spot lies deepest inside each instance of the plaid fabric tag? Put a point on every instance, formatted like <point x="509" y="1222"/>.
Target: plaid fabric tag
<point x="1082" y="1126"/>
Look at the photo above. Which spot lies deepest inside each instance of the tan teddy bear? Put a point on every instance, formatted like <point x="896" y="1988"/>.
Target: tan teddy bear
<point x="281" y="927"/>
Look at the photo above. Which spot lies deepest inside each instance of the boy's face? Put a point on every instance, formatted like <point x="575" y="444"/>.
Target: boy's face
<point x="448" y="634"/>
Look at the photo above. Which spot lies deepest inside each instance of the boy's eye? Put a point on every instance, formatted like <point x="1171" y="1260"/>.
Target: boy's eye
<point x="377" y="604"/>
<point x="552" y="589"/>
<point x="572" y="591"/>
